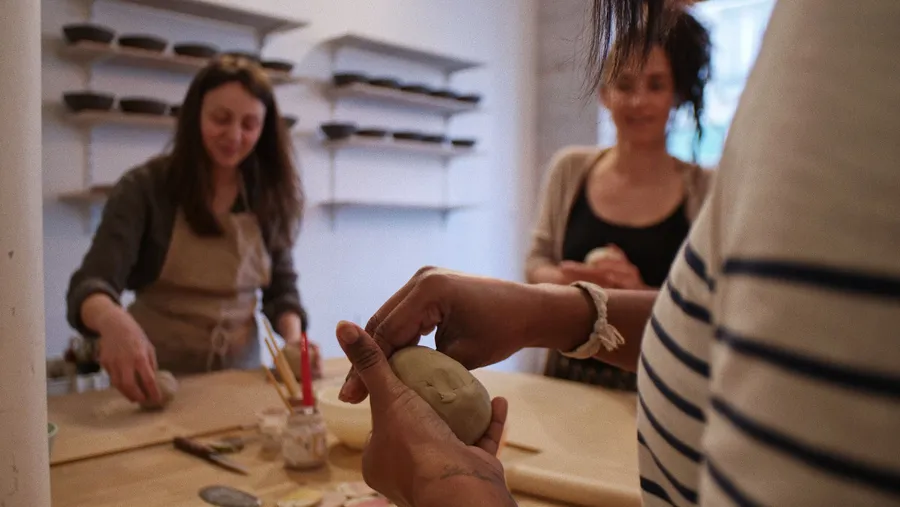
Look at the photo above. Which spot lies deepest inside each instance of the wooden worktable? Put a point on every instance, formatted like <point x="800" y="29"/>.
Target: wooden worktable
<point x="155" y="474"/>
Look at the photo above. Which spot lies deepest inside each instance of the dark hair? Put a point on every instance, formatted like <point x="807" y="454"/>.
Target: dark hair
<point x="269" y="169"/>
<point x="639" y="25"/>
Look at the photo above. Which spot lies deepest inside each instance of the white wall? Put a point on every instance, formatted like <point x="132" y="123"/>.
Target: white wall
<point x="348" y="267"/>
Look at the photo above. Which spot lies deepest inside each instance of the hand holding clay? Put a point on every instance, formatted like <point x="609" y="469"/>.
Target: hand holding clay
<point x="167" y="386"/>
<point x="128" y="357"/>
<point x="413" y="456"/>
<point x="451" y="390"/>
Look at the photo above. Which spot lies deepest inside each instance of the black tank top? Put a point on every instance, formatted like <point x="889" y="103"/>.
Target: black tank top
<point x="651" y="249"/>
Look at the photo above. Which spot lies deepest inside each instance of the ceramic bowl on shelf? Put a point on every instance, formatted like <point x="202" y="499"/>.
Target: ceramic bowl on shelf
<point x="195" y="50"/>
<point x="463" y="143"/>
<point x="289" y="120"/>
<point x="52" y="430"/>
<point x="372" y="132"/>
<point x="78" y="32"/>
<point x="174" y="110"/>
<point x="434" y="138"/>
<point x="145" y="42"/>
<point x="278" y="65"/>
<point x="336" y="131"/>
<point x="143" y="105"/>
<point x="384" y="82"/>
<point x="89" y="101"/>
<point x="408" y="135"/>
<point x="472" y="98"/>
<point x="348" y="78"/>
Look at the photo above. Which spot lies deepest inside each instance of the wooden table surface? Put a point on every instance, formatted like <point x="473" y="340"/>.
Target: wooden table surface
<point x="158" y="475"/>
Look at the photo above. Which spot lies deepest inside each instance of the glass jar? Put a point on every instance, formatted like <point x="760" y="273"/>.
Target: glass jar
<point x="304" y="442"/>
<point x="271" y="424"/>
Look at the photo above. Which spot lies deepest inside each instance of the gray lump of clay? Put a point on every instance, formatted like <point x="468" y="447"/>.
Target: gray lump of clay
<point x="451" y="390"/>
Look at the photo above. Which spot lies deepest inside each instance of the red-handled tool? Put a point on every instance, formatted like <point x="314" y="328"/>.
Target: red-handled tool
<point x="208" y="453"/>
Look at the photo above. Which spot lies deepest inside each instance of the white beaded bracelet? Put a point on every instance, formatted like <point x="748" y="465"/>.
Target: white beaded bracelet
<point x="604" y="334"/>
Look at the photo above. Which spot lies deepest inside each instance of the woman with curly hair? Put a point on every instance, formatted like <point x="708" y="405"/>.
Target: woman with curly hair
<point x="617" y="216"/>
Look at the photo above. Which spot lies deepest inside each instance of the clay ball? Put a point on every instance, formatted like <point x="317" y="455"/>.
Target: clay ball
<point x="292" y="354"/>
<point x="167" y="385"/>
<point x="451" y="390"/>
<point x="601" y="253"/>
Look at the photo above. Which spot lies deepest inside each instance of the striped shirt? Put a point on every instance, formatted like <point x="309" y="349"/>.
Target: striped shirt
<point x="770" y="369"/>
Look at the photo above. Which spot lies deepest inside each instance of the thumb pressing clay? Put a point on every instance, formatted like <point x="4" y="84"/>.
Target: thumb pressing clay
<point x="167" y="385"/>
<point x="451" y="390"/>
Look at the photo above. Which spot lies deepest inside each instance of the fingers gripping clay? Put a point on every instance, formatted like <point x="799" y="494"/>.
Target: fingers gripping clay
<point x="167" y="386"/>
<point x="451" y="390"/>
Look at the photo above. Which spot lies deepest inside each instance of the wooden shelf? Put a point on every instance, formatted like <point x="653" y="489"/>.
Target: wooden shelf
<point x="414" y="147"/>
<point x="398" y="97"/>
<point x="94" y="52"/>
<point x="264" y="23"/>
<point x="94" y="118"/>
<point x="90" y="196"/>
<point x="442" y="61"/>
<point x="354" y="203"/>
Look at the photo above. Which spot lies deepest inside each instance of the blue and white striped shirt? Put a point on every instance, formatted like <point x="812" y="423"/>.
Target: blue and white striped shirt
<point x="770" y="370"/>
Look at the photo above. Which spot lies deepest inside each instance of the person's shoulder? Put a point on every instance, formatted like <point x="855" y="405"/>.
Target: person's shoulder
<point x="572" y="161"/>
<point x="146" y="178"/>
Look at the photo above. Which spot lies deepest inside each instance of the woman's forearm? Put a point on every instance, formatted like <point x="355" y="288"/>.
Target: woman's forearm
<point x="546" y="273"/>
<point x="289" y="326"/>
<point x="97" y="308"/>
<point x="566" y="318"/>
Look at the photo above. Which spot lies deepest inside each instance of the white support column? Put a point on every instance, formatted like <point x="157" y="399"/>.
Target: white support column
<point x="24" y="467"/>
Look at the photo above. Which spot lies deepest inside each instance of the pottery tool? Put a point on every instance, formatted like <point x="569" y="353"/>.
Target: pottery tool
<point x="281" y="395"/>
<point x="223" y="496"/>
<point x="208" y="453"/>
<point x="306" y="372"/>
<point x="284" y="369"/>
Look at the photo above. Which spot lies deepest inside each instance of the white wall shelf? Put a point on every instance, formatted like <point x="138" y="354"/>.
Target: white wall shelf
<point x="424" y="206"/>
<point x="363" y="91"/>
<point x="389" y="144"/>
<point x="264" y="23"/>
<point x="439" y="60"/>
<point x="95" y="118"/>
<point x="92" y="196"/>
<point x="94" y="52"/>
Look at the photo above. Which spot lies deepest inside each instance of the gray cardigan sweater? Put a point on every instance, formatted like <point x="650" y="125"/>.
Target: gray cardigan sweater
<point x="567" y="171"/>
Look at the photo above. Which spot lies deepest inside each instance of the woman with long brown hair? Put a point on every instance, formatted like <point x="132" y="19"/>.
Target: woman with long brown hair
<point x="195" y="233"/>
<point x="768" y="363"/>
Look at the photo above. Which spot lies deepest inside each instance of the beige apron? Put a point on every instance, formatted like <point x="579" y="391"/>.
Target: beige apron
<point x="200" y="314"/>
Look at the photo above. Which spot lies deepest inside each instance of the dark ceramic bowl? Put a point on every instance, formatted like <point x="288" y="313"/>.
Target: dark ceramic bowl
<point x="143" y="105"/>
<point x="289" y="120"/>
<point x="195" y="50"/>
<point x="384" y="82"/>
<point x="444" y="94"/>
<point x="463" y="143"/>
<point x="347" y="78"/>
<point x="433" y="138"/>
<point x="145" y="42"/>
<point x="338" y="130"/>
<point x="174" y="109"/>
<point x="278" y="65"/>
<point x="471" y="98"/>
<point x="89" y="101"/>
<point x="78" y="32"/>
<point x="417" y="88"/>
<point x="408" y="135"/>
<point x="372" y="132"/>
